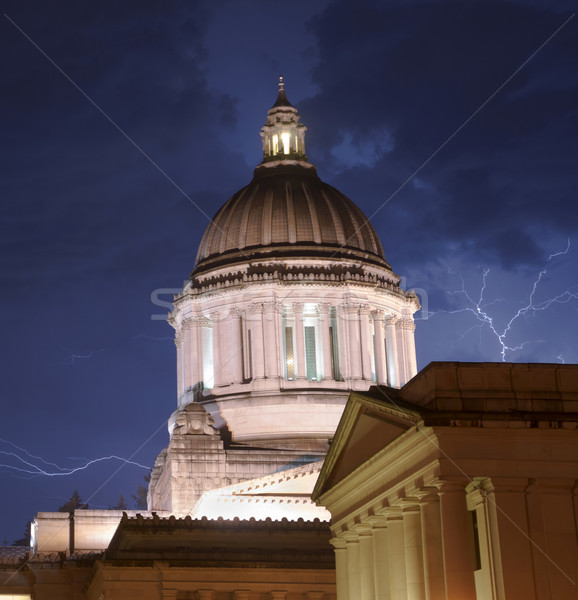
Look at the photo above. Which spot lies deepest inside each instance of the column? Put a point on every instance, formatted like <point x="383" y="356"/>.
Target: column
<point x="236" y="346"/>
<point x="413" y="550"/>
<point x="241" y="595"/>
<point x="186" y="353"/>
<point x="366" y="564"/>
<point x="380" y="365"/>
<point x="353" y="571"/>
<point x="457" y="541"/>
<point x="219" y="364"/>
<point x="396" y="546"/>
<point x="557" y="522"/>
<point x="380" y="557"/>
<point x="299" y="340"/>
<point x="180" y="378"/>
<point x="432" y="544"/>
<point x="340" y="547"/>
<point x="323" y="315"/>
<point x="354" y="358"/>
<point x="342" y="342"/>
<point x="272" y="346"/>
<point x="507" y="501"/>
<point x="257" y="351"/>
<point x="408" y="333"/>
<point x="366" y="342"/>
<point x="205" y="594"/>
<point x="195" y="359"/>
<point x="199" y="322"/>
<point x="392" y="357"/>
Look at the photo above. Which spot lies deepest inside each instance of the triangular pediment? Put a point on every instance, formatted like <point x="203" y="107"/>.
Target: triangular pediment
<point x="368" y="425"/>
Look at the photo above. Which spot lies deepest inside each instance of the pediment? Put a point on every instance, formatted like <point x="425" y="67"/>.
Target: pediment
<point x="368" y="425"/>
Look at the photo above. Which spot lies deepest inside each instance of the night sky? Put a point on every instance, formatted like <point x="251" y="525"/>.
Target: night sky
<point x="126" y="125"/>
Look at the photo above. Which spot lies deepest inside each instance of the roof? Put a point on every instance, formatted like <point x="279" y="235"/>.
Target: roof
<point x="287" y="211"/>
<point x="451" y="396"/>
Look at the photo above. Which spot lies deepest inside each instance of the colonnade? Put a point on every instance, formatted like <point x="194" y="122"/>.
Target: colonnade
<point x="421" y="548"/>
<point x="238" y="345"/>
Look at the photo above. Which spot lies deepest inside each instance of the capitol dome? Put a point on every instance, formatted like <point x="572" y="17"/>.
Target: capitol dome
<point x="287" y="211"/>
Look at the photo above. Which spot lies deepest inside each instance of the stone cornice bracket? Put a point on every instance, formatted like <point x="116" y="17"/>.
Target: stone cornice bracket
<point x="194" y="420"/>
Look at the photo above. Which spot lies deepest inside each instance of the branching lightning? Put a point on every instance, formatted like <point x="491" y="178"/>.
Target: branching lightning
<point x="479" y="307"/>
<point x="26" y="463"/>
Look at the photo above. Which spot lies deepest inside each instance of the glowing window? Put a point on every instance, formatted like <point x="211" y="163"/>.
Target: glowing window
<point x="286" y="139"/>
<point x="289" y="354"/>
<point x="208" y="366"/>
<point x="334" y="347"/>
<point x="275" y="144"/>
<point x="290" y="360"/>
<point x="310" y="353"/>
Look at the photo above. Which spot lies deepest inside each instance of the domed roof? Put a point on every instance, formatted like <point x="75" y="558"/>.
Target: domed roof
<point x="287" y="211"/>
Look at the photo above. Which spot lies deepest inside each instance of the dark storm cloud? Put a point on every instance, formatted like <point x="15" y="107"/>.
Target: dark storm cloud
<point x="419" y="70"/>
<point x="85" y="187"/>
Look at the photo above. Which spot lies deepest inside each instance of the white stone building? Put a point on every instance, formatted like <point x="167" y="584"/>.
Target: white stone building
<point x="290" y="307"/>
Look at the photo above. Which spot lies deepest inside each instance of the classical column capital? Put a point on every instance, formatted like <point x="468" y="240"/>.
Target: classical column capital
<point x="447" y="485"/>
<point x="378" y="315"/>
<point x="187" y="322"/>
<point x="427" y="494"/>
<point x="297" y="308"/>
<point x="339" y="542"/>
<point x="350" y="536"/>
<point x="236" y="313"/>
<point x="409" y="504"/>
<point x="256" y="308"/>
<point x="390" y="320"/>
<point x="408" y="324"/>
<point x="363" y="529"/>
<point x="378" y="521"/>
<point x="323" y="308"/>
<point x="273" y="306"/>
<point x="348" y="309"/>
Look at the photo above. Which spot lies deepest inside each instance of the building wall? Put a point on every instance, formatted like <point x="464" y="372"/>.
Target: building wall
<point x="462" y="504"/>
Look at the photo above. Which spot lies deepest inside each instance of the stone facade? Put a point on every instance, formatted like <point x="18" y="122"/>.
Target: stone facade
<point x="466" y="487"/>
<point x="290" y="307"/>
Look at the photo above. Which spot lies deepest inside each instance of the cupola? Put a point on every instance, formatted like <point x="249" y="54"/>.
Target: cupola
<point x="283" y="135"/>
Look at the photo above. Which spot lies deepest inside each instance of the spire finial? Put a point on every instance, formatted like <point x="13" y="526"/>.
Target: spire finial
<point x="281" y="84"/>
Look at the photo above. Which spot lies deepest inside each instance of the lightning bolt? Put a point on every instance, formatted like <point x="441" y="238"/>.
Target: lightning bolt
<point x="35" y="466"/>
<point x="478" y="308"/>
<point x="73" y="357"/>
